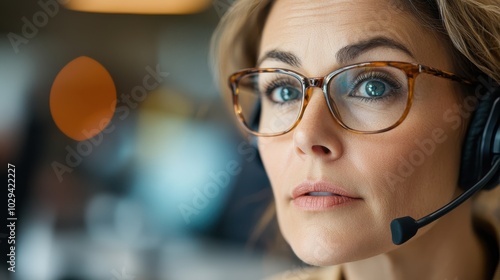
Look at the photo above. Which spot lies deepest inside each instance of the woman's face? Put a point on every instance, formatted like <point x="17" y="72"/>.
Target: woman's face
<point x="409" y="171"/>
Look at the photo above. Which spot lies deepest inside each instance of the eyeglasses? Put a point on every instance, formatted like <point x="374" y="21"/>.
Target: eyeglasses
<point x="368" y="98"/>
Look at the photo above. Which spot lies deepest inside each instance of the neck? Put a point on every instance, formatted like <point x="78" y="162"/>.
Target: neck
<point x="450" y="249"/>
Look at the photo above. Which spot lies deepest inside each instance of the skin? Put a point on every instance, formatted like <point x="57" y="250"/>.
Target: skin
<point x="320" y="149"/>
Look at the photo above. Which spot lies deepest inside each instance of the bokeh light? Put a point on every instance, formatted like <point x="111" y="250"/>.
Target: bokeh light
<point x="82" y="98"/>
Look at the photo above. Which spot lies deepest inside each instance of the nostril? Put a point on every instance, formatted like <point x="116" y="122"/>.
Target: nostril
<point x="321" y="149"/>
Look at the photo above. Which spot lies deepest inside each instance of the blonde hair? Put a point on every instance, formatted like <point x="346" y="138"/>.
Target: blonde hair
<point x="235" y="42"/>
<point x="471" y="26"/>
<point x="474" y="28"/>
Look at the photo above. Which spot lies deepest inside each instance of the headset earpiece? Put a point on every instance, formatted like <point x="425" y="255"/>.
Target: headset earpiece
<point x="482" y="141"/>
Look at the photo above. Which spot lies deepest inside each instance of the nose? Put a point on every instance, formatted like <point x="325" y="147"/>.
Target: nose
<point x="318" y="135"/>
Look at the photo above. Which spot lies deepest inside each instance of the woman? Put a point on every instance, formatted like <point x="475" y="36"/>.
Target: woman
<point x="377" y="135"/>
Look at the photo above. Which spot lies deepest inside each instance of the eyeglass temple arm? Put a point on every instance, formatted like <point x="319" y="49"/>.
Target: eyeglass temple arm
<point x="444" y="74"/>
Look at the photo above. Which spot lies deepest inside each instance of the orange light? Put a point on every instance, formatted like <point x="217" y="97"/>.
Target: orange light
<point x="82" y="98"/>
<point x="139" y="6"/>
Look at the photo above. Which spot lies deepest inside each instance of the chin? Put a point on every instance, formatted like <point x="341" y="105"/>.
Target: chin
<point x="312" y="259"/>
<point x="324" y="246"/>
<point x="316" y="246"/>
<point x="329" y="255"/>
<point x="319" y="255"/>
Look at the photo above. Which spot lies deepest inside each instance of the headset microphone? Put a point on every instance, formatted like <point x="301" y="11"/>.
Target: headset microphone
<point x="405" y="228"/>
<point x="485" y="140"/>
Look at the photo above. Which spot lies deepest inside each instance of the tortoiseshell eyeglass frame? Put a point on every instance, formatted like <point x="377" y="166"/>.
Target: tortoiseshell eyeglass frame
<point x="412" y="70"/>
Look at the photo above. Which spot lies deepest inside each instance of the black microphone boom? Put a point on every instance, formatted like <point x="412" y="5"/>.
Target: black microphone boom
<point x="404" y="228"/>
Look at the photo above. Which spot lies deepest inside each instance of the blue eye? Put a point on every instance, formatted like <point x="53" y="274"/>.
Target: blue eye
<point x="374" y="88"/>
<point x="283" y="90"/>
<point x="284" y="94"/>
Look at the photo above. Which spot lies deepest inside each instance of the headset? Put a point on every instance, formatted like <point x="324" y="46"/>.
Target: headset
<point x="479" y="167"/>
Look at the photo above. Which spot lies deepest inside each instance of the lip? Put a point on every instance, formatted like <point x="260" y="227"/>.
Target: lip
<point x="339" y="196"/>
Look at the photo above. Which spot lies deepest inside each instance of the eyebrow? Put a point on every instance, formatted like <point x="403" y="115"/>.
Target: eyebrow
<point x="351" y="52"/>
<point x="283" y="56"/>
<point x="344" y="55"/>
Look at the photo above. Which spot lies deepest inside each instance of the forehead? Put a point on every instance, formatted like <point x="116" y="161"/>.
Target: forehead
<point x="315" y="30"/>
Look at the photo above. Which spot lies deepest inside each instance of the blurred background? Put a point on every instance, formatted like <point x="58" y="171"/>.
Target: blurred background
<point x="160" y="185"/>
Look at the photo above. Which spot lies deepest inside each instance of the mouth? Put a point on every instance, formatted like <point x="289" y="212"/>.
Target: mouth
<point x="321" y="194"/>
<point x="317" y="196"/>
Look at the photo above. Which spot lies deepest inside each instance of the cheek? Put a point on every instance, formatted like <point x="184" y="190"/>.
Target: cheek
<point x="275" y="152"/>
<point x="412" y="178"/>
<point x="280" y="163"/>
<point x="418" y="171"/>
